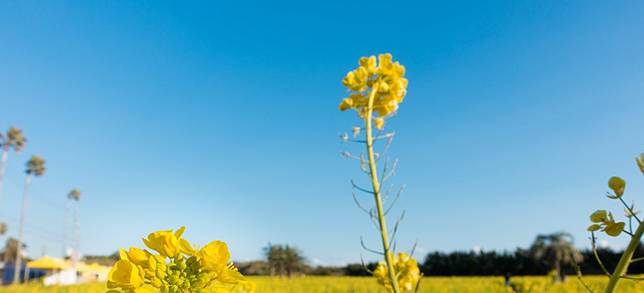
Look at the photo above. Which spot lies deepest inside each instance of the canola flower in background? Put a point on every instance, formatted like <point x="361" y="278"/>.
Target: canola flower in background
<point x="312" y="284"/>
<point x="178" y="267"/>
<point x="406" y="269"/>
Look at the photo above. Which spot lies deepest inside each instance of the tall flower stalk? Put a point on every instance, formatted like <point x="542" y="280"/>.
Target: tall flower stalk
<point x="604" y="221"/>
<point x="376" y="90"/>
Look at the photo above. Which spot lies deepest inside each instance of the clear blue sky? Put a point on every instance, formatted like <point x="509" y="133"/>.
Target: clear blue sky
<point x="223" y="118"/>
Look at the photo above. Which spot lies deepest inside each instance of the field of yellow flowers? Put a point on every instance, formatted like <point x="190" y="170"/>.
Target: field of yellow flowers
<point x="369" y="285"/>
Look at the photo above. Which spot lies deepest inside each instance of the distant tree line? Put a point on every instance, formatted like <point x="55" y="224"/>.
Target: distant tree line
<point x="519" y="262"/>
<point x="550" y="252"/>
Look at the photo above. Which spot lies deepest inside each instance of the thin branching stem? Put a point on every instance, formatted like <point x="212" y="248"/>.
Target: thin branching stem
<point x="580" y="277"/>
<point x="631" y="211"/>
<point x="391" y="205"/>
<point x="625" y="260"/>
<point x="637" y="259"/>
<point x="355" y="186"/>
<point x="364" y="246"/>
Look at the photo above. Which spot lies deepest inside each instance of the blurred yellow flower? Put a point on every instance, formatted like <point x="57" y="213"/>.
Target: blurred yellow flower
<point x="605" y="221"/>
<point x="617" y="185"/>
<point x="406" y="269"/>
<point x="380" y="122"/>
<point x="614" y="229"/>
<point x="640" y="162"/>
<point x="599" y="216"/>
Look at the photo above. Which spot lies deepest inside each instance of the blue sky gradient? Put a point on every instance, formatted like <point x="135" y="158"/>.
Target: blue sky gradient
<point x="223" y="117"/>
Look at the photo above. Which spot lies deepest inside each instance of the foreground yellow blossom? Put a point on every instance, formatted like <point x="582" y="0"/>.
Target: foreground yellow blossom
<point x="177" y="268"/>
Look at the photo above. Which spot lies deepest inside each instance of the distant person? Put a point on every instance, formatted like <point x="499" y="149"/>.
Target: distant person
<point x="507" y="279"/>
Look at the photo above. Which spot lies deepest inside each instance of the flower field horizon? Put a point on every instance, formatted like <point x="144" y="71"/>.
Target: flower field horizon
<point x="316" y="284"/>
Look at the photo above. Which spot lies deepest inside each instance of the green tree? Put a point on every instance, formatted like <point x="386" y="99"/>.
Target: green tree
<point x="35" y="167"/>
<point x="284" y="260"/>
<point x="555" y="250"/>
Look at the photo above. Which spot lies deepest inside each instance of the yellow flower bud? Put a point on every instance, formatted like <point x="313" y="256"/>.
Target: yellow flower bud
<point x="346" y="104"/>
<point x="614" y="229"/>
<point x="640" y="162"/>
<point x="599" y="216"/>
<point x="369" y="63"/>
<point x="594" y="227"/>
<point x="356" y="132"/>
<point x="617" y="185"/>
<point x="380" y="122"/>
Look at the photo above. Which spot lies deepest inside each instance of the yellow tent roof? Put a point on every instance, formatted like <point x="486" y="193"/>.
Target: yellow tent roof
<point x="48" y="263"/>
<point x="92" y="268"/>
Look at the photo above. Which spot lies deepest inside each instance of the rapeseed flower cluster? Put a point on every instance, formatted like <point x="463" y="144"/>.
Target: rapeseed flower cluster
<point x="604" y="220"/>
<point x="178" y="267"/>
<point x="406" y="269"/>
<point x="383" y="79"/>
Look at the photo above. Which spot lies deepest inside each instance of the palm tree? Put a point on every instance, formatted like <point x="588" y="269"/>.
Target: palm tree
<point x="555" y="250"/>
<point x="12" y="140"/>
<point x="35" y="167"/>
<point x="74" y="195"/>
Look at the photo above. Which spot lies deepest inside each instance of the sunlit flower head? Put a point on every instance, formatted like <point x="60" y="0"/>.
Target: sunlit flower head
<point x="384" y="79"/>
<point x="177" y="268"/>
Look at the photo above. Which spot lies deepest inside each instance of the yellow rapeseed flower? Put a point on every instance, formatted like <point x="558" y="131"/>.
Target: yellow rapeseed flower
<point x="177" y="268"/>
<point x="214" y="256"/>
<point x="604" y="220"/>
<point x="165" y="242"/>
<point x="406" y="269"/>
<point x="640" y="162"/>
<point x="125" y="275"/>
<point x="385" y="77"/>
<point x="614" y="229"/>
<point x="599" y="216"/>
<point x="617" y="185"/>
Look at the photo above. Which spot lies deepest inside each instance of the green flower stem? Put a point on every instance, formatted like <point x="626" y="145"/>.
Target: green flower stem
<point x="625" y="260"/>
<point x="376" y="193"/>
